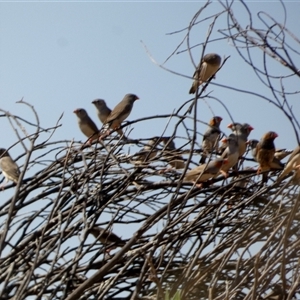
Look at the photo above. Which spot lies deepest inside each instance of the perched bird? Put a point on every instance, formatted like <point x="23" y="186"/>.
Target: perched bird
<point x="86" y="124"/>
<point x="119" y="113"/>
<point x="205" y="172"/>
<point x="103" y="111"/>
<point x="276" y="164"/>
<point x="148" y="152"/>
<point x="265" y="151"/>
<point x="231" y="153"/>
<point x="211" y="136"/>
<point x="206" y="69"/>
<point x="293" y="163"/>
<point x="242" y="132"/>
<point x="108" y="238"/>
<point x="171" y="154"/>
<point x="9" y="168"/>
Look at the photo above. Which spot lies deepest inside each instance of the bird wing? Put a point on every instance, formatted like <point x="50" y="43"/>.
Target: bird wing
<point x="120" y="112"/>
<point x="9" y="168"/>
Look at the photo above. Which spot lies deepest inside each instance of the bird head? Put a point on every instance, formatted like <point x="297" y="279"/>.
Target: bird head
<point x="80" y="112"/>
<point x="252" y="143"/>
<point x="131" y="98"/>
<point x="224" y="140"/>
<point x="168" y="142"/>
<point x="99" y="103"/>
<point x="3" y="152"/>
<point x="270" y="135"/>
<point x="212" y="58"/>
<point x="215" y="121"/>
<point x="247" y="128"/>
<point x="234" y="126"/>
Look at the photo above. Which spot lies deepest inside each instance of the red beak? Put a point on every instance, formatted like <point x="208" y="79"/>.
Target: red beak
<point x="224" y="140"/>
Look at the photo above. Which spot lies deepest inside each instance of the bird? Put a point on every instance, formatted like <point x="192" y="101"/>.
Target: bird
<point x="171" y="154"/>
<point x="9" y="167"/>
<point x="242" y="132"/>
<point x="265" y="151"/>
<point x="293" y="163"/>
<point x="107" y="238"/>
<point x="119" y="113"/>
<point x="211" y="137"/>
<point x="206" y="69"/>
<point x="231" y="153"/>
<point x="103" y="111"/>
<point x="205" y="172"/>
<point x="86" y="124"/>
<point x="276" y="164"/>
<point x="148" y="152"/>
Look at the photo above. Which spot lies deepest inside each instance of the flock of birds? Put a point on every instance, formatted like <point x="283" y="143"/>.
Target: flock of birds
<point x="232" y="149"/>
<point x="229" y="153"/>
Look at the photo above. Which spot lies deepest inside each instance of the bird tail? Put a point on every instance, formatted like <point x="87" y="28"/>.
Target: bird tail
<point x="193" y="89"/>
<point x="202" y="160"/>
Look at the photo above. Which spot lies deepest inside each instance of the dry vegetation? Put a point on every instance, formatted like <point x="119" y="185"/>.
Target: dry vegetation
<point x="235" y="239"/>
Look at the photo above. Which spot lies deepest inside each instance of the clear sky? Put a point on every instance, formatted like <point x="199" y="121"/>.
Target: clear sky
<point x="60" y="56"/>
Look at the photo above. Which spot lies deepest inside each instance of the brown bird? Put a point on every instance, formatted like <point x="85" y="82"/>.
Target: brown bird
<point x="242" y="132"/>
<point x="108" y="238"/>
<point x="276" y="164"/>
<point x="231" y="152"/>
<point x="103" y="111"/>
<point x="86" y="124"/>
<point x="8" y="166"/>
<point x="148" y="152"/>
<point x="171" y="154"/>
<point x="206" y="69"/>
<point x="265" y="151"/>
<point x="293" y="164"/>
<point x="205" y="172"/>
<point x="119" y="113"/>
<point x="211" y="136"/>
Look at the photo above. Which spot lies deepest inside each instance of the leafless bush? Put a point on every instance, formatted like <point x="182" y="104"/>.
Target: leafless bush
<point x="234" y="239"/>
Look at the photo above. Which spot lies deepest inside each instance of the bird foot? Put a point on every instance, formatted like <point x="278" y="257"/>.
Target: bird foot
<point x="199" y="185"/>
<point x="86" y="145"/>
<point x="162" y="171"/>
<point x="225" y="174"/>
<point x="229" y="205"/>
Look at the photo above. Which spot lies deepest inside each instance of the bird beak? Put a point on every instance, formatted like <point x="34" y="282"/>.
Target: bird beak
<point x="75" y="111"/>
<point x="229" y="125"/>
<point x="224" y="140"/>
<point x="250" y="128"/>
<point x="275" y="135"/>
